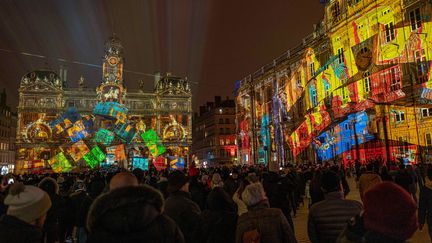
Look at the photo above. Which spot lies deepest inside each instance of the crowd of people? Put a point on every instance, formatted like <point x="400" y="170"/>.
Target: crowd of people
<point x="238" y="204"/>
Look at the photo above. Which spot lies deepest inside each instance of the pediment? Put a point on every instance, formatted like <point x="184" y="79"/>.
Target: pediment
<point x="39" y="86"/>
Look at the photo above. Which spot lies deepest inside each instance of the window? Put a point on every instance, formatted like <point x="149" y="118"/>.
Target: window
<point x="422" y="66"/>
<point x="312" y="69"/>
<point x="227" y="141"/>
<point x="428" y="139"/>
<point x="427" y="112"/>
<point x="341" y="56"/>
<point x="389" y="32"/>
<point x="221" y="142"/>
<point x="227" y="121"/>
<point x="345" y="93"/>
<point x="220" y="130"/>
<point x="221" y="121"/>
<point x="326" y="88"/>
<point x="335" y="10"/>
<point x="227" y="131"/>
<point x="415" y="19"/>
<point x="366" y="82"/>
<point x="299" y="81"/>
<point x="314" y="98"/>
<point x="400" y="116"/>
<point x="71" y="104"/>
<point x="394" y="79"/>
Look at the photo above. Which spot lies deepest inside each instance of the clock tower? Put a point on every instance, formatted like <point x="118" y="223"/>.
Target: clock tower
<point x="112" y="88"/>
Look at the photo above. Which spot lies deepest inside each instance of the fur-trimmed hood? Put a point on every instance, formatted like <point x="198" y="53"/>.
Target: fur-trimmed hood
<point x="125" y="210"/>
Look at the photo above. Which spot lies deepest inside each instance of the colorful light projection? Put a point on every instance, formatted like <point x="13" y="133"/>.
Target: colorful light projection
<point x="95" y="157"/>
<point x="343" y="136"/>
<point x="160" y="163"/>
<point x="78" y="150"/>
<point x="59" y="163"/>
<point x="65" y="121"/>
<point x="140" y="163"/>
<point x="115" y="153"/>
<point x="104" y="136"/>
<point x="265" y="139"/>
<point x="176" y="163"/>
<point x="111" y="110"/>
<point x="77" y="131"/>
<point x="125" y="131"/>
<point x="153" y="143"/>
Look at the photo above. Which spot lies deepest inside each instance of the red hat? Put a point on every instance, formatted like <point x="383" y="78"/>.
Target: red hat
<point x="390" y="210"/>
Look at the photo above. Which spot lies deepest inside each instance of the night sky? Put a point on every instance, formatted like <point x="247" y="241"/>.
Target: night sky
<point x="212" y="42"/>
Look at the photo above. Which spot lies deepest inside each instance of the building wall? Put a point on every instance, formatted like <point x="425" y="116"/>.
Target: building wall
<point x="7" y="139"/>
<point x="214" y="133"/>
<point x="363" y="65"/>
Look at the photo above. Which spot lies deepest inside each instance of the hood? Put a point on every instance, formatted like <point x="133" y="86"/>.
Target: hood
<point x="428" y="183"/>
<point x="125" y="210"/>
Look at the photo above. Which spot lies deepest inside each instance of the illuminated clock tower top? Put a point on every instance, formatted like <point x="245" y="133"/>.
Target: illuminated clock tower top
<point x="112" y="88"/>
<point x="113" y="61"/>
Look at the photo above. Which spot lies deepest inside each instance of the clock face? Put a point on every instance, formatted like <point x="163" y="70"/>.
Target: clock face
<point x="363" y="58"/>
<point x="113" y="61"/>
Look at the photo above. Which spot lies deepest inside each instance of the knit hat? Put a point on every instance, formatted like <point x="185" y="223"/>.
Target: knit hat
<point x="176" y="180"/>
<point x="253" y="194"/>
<point x="27" y="203"/>
<point x="389" y="210"/>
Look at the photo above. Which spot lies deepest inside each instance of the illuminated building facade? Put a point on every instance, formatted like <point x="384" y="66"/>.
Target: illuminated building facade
<point x="359" y="87"/>
<point x="214" y="140"/>
<point x="43" y="97"/>
<point x="7" y="139"/>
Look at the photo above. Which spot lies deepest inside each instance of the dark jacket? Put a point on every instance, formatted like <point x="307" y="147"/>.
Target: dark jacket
<point x="14" y="230"/>
<point x="131" y="214"/>
<point x="79" y="205"/>
<point x="328" y="218"/>
<point x="355" y="232"/>
<point x="404" y="179"/>
<point x="219" y="221"/>
<point x="231" y="185"/>
<point x="277" y="190"/>
<point x="271" y="224"/>
<point x="425" y="205"/>
<point x="185" y="212"/>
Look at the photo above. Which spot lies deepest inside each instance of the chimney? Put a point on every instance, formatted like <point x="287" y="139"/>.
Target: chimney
<point x="157" y="77"/>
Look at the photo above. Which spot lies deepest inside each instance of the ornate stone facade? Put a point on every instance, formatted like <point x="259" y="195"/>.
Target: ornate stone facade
<point x="43" y="96"/>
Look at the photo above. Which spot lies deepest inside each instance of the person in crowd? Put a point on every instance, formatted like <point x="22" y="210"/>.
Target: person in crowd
<point x="180" y="207"/>
<point x="232" y="183"/>
<point x="404" y="179"/>
<point x="415" y="179"/>
<point x="123" y="179"/>
<point x="80" y="202"/>
<point x="368" y="179"/>
<point x="219" y="219"/>
<point x="278" y="190"/>
<point x="315" y="191"/>
<point x="385" y="175"/>
<point x="199" y="190"/>
<point x="131" y="214"/>
<point x="425" y="203"/>
<point x="262" y="223"/>
<point x="162" y="184"/>
<point x="25" y="217"/>
<point x="237" y="198"/>
<point x="216" y="180"/>
<point x="139" y="174"/>
<point x="389" y="216"/>
<point x="55" y="217"/>
<point x="328" y="218"/>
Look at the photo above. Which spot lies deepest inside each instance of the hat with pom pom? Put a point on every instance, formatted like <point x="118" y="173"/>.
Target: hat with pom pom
<point x="27" y="203"/>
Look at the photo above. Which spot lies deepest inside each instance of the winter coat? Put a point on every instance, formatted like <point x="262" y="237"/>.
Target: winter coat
<point x="79" y="204"/>
<point x="367" y="181"/>
<point x="199" y="193"/>
<point x="14" y="230"/>
<point x="185" y="212"/>
<point x="355" y="232"/>
<point x="277" y="190"/>
<point x="425" y="203"/>
<point x="241" y="206"/>
<point x="328" y="218"/>
<point x="271" y="224"/>
<point x="131" y="214"/>
<point x="404" y="179"/>
<point x="231" y="185"/>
